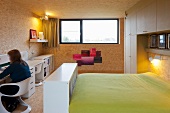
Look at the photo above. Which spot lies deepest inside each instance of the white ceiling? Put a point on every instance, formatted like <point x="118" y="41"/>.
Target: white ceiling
<point x="79" y="8"/>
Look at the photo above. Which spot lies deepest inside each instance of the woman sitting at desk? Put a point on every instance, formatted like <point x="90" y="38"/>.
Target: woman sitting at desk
<point x="18" y="71"/>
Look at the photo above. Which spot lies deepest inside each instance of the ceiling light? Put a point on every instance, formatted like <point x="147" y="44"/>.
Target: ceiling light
<point x="45" y="17"/>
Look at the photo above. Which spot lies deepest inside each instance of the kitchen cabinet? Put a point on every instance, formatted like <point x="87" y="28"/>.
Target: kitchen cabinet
<point x="146" y="19"/>
<point x="163" y="15"/>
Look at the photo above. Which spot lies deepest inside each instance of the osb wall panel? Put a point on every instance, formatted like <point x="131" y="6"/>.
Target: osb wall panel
<point x="15" y="23"/>
<point x="79" y="8"/>
<point x="113" y="55"/>
<point x="142" y="56"/>
<point x="162" y="68"/>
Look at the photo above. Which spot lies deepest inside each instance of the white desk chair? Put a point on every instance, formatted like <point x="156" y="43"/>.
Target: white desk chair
<point x="23" y="89"/>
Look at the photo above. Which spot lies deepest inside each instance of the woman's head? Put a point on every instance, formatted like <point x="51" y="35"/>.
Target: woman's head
<point x="14" y="56"/>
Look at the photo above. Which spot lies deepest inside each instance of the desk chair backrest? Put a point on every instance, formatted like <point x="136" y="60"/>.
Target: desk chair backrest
<point x="23" y="87"/>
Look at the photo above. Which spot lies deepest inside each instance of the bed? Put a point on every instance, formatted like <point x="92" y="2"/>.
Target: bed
<point x="120" y="93"/>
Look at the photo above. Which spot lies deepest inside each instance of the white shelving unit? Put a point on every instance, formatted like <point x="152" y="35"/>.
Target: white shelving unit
<point x="165" y="52"/>
<point x="58" y="88"/>
<point x="38" y="40"/>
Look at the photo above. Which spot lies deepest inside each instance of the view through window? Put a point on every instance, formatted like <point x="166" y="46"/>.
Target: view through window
<point x="89" y="31"/>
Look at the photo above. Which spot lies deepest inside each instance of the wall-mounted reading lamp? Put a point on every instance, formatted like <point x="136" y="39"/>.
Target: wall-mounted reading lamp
<point x="156" y="60"/>
<point x="150" y="59"/>
<point x="158" y="57"/>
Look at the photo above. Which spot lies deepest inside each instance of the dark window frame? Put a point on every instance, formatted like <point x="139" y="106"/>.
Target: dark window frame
<point x="81" y="31"/>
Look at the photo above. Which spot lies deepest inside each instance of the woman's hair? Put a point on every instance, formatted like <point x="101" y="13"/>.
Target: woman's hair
<point x="15" y="57"/>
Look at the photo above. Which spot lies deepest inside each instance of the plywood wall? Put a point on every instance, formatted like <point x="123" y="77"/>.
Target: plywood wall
<point x="142" y="56"/>
<point x="113" y="55"/>
<point x="15" y="23"/>
<point x="161" y="68"/>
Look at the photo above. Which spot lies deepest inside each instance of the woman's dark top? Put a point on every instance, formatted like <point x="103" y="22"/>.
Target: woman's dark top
<point x="17" y="71"/>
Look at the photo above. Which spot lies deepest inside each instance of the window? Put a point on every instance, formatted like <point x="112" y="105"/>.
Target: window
<point x="89" y="31"/>
<point x="70" y="31"/>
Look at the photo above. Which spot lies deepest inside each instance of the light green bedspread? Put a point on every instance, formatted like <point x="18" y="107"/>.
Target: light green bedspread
<point x="115" y="93"/>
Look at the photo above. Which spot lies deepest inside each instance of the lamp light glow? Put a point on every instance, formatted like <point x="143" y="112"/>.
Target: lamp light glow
<point x="45" y="17"/>
<point x="150" y="59"/>
<point x="41" y="35"/>
<point x="155" y="62"/>
<point x="158" y="57"/>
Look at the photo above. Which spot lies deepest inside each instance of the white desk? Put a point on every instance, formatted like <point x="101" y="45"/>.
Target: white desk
<point x="48" y="66"/>
<point x="31" y="83"/>
<point x="58" y="88"/>
<point x="39" y="70"/>
<point x="43" y="57"/>
<point x="33" y="63"/>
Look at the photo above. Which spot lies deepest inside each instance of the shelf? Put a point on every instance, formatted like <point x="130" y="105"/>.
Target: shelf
<point x="165" y="52"/>
<point x="38" y="40"/>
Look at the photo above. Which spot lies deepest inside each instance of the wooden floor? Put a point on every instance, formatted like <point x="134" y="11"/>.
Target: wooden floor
<point x="35" y="101"/>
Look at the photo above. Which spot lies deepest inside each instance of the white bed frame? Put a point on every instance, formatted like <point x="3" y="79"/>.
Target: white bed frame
<point x="58" y="88"/>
